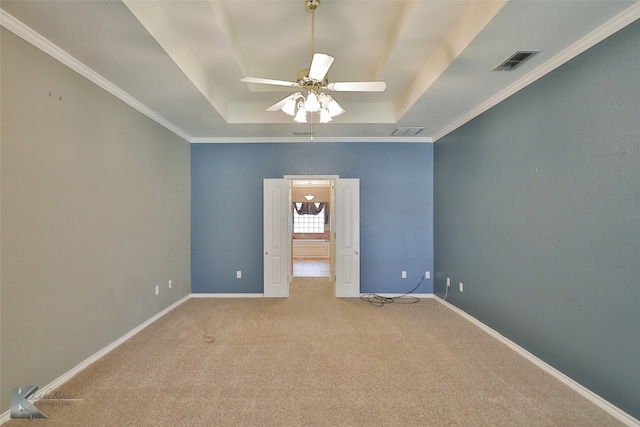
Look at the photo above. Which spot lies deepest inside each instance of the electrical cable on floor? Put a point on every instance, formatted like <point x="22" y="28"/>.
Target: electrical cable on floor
<point x="379" y="300"/>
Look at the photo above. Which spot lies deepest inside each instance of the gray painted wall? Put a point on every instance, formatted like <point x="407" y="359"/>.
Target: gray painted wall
<point x="537" y="212"/>
<point x="95" y="213"/>
<point x="395" y="206"/>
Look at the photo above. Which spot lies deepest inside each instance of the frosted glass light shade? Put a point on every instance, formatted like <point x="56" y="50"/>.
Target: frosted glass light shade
<point x="290" y="106"/>
<point x="334" y="108"/>
<point x="325" y="116"/>
<point x="301" y="115"/>
<point x="312" y="103"/>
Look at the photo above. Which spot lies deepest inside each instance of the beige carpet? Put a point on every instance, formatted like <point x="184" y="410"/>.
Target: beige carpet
<point x="314" y="360"/>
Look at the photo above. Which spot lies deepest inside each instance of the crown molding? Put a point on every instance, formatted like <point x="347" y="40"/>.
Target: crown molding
<point x="612" y="26"/>
<point x="609" y="28"/>
<point x="21" y="30"/>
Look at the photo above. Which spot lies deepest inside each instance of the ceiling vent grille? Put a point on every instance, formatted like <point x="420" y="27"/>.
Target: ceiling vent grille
<point x="515" y="60"/>
<point x="407" y="131"/>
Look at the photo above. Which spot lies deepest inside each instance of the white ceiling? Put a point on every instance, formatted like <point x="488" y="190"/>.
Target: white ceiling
<point x="180" y="62"/>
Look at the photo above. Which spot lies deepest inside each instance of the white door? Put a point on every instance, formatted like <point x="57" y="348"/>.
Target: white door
<point x="277" y="244"/>
<point x="332" y="231"/>
<point x="347" y="262"/>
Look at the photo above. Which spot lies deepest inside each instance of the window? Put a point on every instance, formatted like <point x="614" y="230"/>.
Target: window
<point x="308" y="223"/>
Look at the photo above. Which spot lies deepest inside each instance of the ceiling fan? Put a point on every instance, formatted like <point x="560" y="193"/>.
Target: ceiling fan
<point x="312" y="82"/>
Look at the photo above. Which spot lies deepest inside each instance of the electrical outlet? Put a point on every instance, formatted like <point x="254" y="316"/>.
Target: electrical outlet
<point x="157" y="289"/>
<point x="404" y="274"/>
<point x="238" y="274"/>
<point x="448" y="281"/>
<point x="427" y="275"/>
<point x="170" y="284"/>
<point x="461" y="287"/>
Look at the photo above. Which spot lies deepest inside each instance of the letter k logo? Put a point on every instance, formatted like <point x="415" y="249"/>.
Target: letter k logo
<point x="21" y="407"/>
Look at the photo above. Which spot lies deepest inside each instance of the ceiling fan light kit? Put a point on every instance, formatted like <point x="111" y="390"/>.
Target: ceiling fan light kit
<point x="313" y="81"/>
<point x="314" y="102"/>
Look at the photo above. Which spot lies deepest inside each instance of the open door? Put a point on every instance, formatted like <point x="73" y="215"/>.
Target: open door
<point x="332" y="232"/>
<point x="347" y="237"/>
<point x="277" y="241"/>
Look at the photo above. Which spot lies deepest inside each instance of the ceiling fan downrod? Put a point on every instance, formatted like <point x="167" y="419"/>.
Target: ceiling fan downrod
<point x="314" y="82"/>
<point x="312" y="5"/>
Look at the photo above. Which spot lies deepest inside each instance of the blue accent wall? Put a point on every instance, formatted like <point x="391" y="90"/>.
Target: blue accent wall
<point x="537" y="212"/>
<point x="396" y="209"/>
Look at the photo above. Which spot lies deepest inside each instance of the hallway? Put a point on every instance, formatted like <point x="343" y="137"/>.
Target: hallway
<point x="311" y="267"/>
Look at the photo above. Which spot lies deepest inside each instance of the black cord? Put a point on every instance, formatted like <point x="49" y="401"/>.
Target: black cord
<point x="379" y="301"/>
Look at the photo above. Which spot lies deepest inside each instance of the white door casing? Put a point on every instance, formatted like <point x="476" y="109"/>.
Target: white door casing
<point x="347" y="262"/>
<point x="277" y="241"/>
<point x="332" y="231"/>
<point x="345" y="243"/>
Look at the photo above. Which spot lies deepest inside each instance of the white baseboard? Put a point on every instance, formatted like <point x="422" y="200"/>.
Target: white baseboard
<point x="6" y="416"/>
<point x="399" y="295"/>
<point x="227" y="295"/>
<point x="585" y="392"/>
<point x="215" y="295"/>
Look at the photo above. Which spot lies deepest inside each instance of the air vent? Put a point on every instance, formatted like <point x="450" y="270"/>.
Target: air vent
<point x="407" y="131"/>
<point x="515" y="60"/>
<point x="307" y="133"/>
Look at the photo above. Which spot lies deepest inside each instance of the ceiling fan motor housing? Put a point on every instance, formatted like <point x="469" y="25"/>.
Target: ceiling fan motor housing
<point x="313" y="4"/>
<point x="313" y="80"/>
<point x="304" y="80"/>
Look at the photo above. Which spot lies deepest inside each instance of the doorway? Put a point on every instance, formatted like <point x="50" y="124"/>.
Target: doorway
<point x="312" y="222"/>
<point x="344" y="237"/>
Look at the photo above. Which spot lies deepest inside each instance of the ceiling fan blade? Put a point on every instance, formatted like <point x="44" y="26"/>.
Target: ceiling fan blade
<point x="319" y="66"/>
<point x="268" y="81"/>
<point x="278" y="105"/>
<point x="357" y="86"/>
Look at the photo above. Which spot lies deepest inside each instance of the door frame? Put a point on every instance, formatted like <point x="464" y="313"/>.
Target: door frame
<point x="333" y="179"/>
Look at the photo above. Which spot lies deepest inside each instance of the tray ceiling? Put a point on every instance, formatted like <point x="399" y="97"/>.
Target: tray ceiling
<point x="180" y="62"/>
